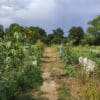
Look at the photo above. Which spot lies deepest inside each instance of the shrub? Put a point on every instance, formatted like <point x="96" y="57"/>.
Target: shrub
<point x="17" y="74"/>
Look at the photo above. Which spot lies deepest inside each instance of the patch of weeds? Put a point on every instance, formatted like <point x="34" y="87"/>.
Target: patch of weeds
<point x="23" y="97"/>
<point x="40" y="98"/>
<point x="92" y="92"/>
<point x="97" y="73"/>
<point x="64" y="93"/>
<point x="71" y="70"/>
<point x="38" y="95"/>
<point x="60" y="74"/>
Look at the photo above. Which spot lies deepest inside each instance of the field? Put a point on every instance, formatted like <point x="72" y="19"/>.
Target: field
<point x="88" y="87"/>
<point x="64" y="79"/>
<point x="19" y="67"/>
<point x="38" y="72"/>
<point x="49" y="50"/>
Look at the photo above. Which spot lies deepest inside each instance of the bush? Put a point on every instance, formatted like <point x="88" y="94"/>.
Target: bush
<point x="17" y="73"/>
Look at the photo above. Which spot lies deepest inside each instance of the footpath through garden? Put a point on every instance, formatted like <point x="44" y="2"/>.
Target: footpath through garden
<point x="49" y="87"/>
<point x="56" y="86"/>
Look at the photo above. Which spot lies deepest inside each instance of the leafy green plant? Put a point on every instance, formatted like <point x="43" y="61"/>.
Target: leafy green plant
<point x="17" y="73"/>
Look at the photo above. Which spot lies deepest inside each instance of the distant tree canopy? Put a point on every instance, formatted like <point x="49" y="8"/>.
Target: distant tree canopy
<point x="49" y="39"/>
<point x="14" y="28"/>
<point x="56" y="37"/>
<point x="91" y="37"/>
<point x="1" y="31"/>
<point x="93" y="31"/>
<point x="94" y="26"/>
<point x="37" y="34"/>
<point x="33" y="33"/>
<point x="76" y="34"/>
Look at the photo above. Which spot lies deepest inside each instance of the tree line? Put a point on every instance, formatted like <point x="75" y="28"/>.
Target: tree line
<point x="76" y="34"/>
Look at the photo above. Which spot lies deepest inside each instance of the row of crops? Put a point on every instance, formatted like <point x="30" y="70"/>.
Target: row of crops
<point x="70" y="56"/>
<point x="19" y="66"/>
<point x="88" y="87"/>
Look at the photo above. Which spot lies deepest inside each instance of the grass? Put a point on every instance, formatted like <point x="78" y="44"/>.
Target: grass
<point x="64" y="93"/>
<point x="37" y="95"/>
<point x="72" y="87"/>
<point x="82" y="85"/>
<point x="92" y="91"/>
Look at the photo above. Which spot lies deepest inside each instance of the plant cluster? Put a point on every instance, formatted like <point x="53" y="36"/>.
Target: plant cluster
<point x="70" y="59"/>
<point x="70" y="56"/>
<point x="19" y="66"/>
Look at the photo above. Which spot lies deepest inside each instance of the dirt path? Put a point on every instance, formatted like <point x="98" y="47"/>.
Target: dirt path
<point x="49" y="85"/>
<point x="57" y="84"/>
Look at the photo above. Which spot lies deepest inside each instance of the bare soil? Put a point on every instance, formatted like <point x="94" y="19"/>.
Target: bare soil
<point x="49" y="87"/>
<point x="57" y="85"/>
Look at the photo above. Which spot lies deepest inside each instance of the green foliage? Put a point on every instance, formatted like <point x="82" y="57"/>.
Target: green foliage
<point x="76" y="34"/>
<point x="69" y="59"/>
<point x="94" y="31"/>
<point x="32" y="33"/>
<point x="40" y="44"/>
<point x="94" y="25"/>
<point x="14" y="28"/>
<point x="64" y="93"/>
<point x="17" y="71"/>
<point x="70" y="56"/>
<point x="1" y="31"/>
<point x="56" y="37"/>
<point x="37" y="34"/>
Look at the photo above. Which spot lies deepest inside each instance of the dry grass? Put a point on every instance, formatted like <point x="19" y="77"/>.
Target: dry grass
<point x="67" y="88"/>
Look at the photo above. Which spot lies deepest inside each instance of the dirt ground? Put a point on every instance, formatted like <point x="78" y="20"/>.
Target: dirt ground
<point x="57" y="85"/>
<point x="49" y="87"/>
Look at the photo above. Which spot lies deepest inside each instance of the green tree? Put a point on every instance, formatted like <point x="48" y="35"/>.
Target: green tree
<point x="37" y="34"/>
<point x="93" y="31"/>
<point x="76" y="34"/>
<point x="14" y="28"/>
<point x="49" y="39"/>
<point x="1" y="31"/>
<point x="57" y="36"/>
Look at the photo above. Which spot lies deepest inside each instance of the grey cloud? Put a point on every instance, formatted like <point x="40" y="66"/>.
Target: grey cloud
<point x="49" y="14"/>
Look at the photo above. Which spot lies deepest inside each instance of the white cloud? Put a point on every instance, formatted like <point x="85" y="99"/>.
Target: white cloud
<point x="48" y="13"/>
<point x="32" y="10"/>
<point x="3" y="1"/>
<point x="37" y="10"/>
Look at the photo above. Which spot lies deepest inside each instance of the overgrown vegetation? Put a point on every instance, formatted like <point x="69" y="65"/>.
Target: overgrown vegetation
<point x="70" y="56"/>
<point x="19" y="66"/>
<point x="21" y="48"/>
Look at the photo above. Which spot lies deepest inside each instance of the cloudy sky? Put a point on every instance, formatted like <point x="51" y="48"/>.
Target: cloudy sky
<point x="49" y="14"/>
